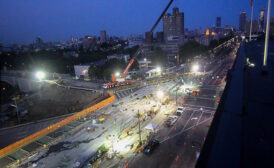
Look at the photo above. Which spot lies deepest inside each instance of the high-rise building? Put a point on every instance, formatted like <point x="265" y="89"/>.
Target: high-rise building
<point x="242" y="21"/>
<point x="89" y="42"/>
<point x="255" y="26"/>
<point x="218" y="22"/>
<point x="173" y="25"/>
<point x="159" y="37"/>
<point x="103" y="36"/>
<point x="149" y="37"/>
<point x="271" y="27"/>
<point x="262" y="20"/>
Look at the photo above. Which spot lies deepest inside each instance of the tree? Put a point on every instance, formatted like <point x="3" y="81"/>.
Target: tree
<point x="159" y="57"/>
<point x="191" y="49"/>
<point x="92" y="72"/>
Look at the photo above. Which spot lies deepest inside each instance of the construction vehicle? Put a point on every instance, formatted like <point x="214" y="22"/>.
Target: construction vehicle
<point x="117" y="81"/>
<point x="195" y="92"/>
<point x="153" y="110"/>
<point x="165" y="100"/>
<point x="120" y="80"/>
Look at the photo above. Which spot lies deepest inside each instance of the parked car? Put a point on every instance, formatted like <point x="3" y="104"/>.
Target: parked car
<point x="196" y="144"/>
<point x="152" y="144"/>
<point x="171" y="120"/>
<point x="180" y="111"/>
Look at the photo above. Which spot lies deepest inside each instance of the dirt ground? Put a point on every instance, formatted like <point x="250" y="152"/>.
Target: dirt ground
<point x="52" y="101"/>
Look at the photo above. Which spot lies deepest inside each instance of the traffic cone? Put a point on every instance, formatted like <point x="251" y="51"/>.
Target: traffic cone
<point x="177" y="159"/>
<point x="126" y="164"/>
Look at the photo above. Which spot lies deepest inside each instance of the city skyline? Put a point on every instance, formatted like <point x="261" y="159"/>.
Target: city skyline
<point x="54" y="21"/>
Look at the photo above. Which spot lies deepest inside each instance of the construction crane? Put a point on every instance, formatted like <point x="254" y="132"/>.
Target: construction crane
<point x="117" y="81"/>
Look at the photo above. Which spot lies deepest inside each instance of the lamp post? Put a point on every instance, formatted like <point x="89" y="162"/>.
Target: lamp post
<point x="40" y="75"/>
<point x="17" y="112"/>
<point x="158" y="70"/>
<point x="195" y="68"/>
<point x="160" y="94"/>
<point x="117" y="74"/>
<point x="266" y="36"/>
<point x="176" y="95"/>
<point x="140" y="138"/>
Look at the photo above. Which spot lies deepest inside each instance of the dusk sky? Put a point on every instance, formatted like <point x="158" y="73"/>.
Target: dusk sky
<point x="54" y="20"/>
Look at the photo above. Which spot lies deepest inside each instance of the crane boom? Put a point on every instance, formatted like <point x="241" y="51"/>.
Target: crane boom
<point x="154" y="26"/>
<point x="124" y="74"/>
<point x="158" y="20"/>
<point x="114" y="81"/>
<point x="151" y="31"/>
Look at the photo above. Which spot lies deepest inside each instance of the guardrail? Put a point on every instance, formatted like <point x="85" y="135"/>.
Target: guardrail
<point x="15" y="146"/>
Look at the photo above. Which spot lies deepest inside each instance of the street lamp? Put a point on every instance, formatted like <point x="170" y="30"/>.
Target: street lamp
<point x="195" y="68"/>
<point x="158" y="69"/>
<point x="40" y="75"/>
<point x="160" y="94"/>
<point x="145" y="59"/>
<point x="117" y="74"/>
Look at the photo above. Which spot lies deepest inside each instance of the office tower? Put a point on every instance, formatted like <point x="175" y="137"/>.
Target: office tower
<point x="218" y="22"/>
<point x="103" y="36"/>
<point x="173" y="25"/>
<point x="159" y="37"/>
<point x="255" y="26"/>
<point x="148" y="37"/>
<point x="242" y="21"/>
<point x="261" y="20"/>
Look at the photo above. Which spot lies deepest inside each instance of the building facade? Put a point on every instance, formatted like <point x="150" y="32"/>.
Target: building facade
<point x="81" y="71"/>
<point x="103" y="36"/>
<point x="242" y="21"/>
<point x="173" y="25"/>
<point x="218" y="22"/>
<point x="262" y="20"/>
<point x="171" y="50"/>
<point x="149" y="37"/>
<point x="89" y="42"/>
<point x="271" y="31"/>
<point x="255" y="26"/>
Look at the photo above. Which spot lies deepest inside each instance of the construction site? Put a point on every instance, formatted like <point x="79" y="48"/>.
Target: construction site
<point x="50" y="101"/>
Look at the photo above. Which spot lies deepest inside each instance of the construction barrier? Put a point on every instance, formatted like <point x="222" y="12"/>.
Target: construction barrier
<point x="15" y="146"/>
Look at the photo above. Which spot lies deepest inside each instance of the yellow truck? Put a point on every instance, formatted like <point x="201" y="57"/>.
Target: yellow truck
<point x="166" y="100"/>
<point x="154" y="109"/>
<point x="195" y="92"/>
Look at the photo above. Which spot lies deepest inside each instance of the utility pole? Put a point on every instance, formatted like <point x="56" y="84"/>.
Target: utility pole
<point x="17" y="112"/>
<point x="267" y="35"/>
<point x="140" y="138"/>
<point x="217" y="97"/>
<point x="176" y="95"/>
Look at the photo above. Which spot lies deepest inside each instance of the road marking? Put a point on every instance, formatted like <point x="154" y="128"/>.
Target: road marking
<point x="200" y="106"/>
<point x="170" y="137"/>
<point x="200" y="118"/>
<point x="189" y="119"/>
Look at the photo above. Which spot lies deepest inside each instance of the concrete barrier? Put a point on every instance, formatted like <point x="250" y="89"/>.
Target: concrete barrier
<point x="15" y="146"/>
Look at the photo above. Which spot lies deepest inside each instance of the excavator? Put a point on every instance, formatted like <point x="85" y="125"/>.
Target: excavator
<point x="119" y="81"/>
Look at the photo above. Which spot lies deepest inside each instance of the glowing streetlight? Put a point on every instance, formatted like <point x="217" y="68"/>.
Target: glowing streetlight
<point x="117" y="74"/>
<point x="40" y="75"/>
<point x="195" y="68"/>
<point x="158" y="69"/>
<point x="145" y="59"/>
<point x="160" y="94"/>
